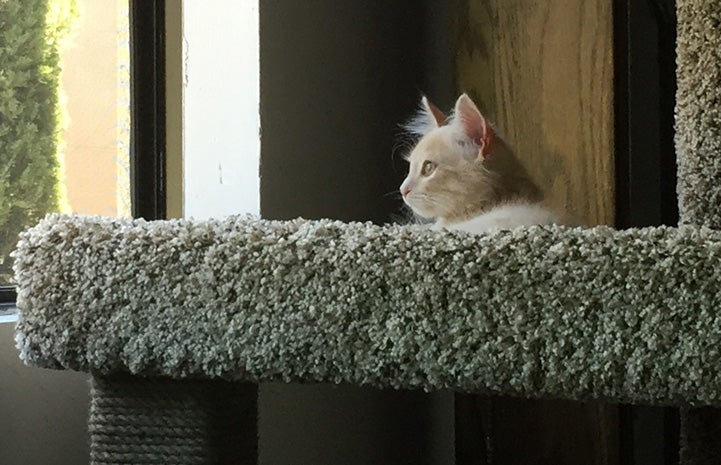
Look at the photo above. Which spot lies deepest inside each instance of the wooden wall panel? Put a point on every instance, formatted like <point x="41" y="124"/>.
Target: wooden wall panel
<point x="542" y="71"/>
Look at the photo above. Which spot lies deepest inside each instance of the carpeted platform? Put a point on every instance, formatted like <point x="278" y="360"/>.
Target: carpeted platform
<point x="573" y="313"/>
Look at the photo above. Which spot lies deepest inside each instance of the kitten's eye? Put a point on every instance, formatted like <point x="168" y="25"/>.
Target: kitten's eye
<point x="427" y="168"/>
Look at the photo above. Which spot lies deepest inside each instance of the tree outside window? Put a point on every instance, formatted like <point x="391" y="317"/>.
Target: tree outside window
<point x="64" y="113"/>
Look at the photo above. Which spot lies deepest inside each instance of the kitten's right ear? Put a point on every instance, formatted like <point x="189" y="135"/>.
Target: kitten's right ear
<point x="429" y="117"/>
<point x="474" y="124"/>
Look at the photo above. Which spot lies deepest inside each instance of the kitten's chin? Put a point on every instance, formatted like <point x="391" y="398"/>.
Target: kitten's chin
<point x="421" y="212"/>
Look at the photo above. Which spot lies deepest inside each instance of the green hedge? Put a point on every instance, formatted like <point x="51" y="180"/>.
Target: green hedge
<point x="30" y="115"/>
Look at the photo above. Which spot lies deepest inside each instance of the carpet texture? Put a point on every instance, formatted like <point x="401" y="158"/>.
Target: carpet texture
<point x="698" y="111"/>
<point x="629" y="315"/>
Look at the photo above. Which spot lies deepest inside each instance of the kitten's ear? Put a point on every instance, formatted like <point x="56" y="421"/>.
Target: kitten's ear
<point x="434" y="114"/>
<point x="474" y="125"/>
<point x="429" y="117"/>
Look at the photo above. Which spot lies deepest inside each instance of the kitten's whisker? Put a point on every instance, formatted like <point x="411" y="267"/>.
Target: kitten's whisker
<point x="401" y="146"/>
<point x="394" y="193"/>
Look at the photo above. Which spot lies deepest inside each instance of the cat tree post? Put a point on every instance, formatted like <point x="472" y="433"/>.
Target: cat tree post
<point x="158" y="421"/>
<point x="698" y="148"/>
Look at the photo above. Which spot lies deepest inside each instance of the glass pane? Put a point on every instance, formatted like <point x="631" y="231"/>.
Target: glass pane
<point x="64" y="113"/>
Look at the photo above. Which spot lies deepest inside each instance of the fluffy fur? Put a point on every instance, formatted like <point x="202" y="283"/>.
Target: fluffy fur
<point x="508" y="217"/>
<point x="464" y="176"/>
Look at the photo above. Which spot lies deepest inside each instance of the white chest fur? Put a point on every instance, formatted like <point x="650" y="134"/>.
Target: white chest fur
<point x="508" y="216"/>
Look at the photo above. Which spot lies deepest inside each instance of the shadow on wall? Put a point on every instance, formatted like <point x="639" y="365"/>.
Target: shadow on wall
<point x="44" y="412"/>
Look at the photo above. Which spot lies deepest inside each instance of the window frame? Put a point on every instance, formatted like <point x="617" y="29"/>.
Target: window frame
<point x="147" y="109"/>
<point x="645" y="41"/>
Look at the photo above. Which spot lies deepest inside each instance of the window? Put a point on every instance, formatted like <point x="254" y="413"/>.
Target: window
<point x="7" y="303"/>
<point x="81" y="114"/>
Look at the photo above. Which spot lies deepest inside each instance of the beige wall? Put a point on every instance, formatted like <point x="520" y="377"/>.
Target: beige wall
<point x="96" y="115"/>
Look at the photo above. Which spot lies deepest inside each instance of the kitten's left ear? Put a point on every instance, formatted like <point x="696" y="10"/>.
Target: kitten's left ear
<point x="429" y="117"/>
<point x="434" y="114"/>
<point x="474" y="125"/>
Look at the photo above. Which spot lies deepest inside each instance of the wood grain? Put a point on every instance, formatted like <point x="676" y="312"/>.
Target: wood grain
<point x="542" y="72"/>
<point x="504" y="430"/>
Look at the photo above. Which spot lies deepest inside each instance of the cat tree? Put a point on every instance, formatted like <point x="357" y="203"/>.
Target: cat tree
<point x="177" y="321"/>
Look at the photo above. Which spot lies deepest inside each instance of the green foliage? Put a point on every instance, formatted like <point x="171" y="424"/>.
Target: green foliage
<point x="30" y="115"/>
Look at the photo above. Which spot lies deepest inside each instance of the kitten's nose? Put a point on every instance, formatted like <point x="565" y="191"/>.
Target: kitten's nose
<point x="405" y="190"/>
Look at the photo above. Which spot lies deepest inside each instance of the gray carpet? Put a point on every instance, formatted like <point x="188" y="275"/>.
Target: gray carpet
<point x="573" y="313"/>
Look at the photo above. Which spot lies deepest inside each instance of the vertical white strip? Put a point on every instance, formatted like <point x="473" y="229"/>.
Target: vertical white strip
<point x="123" y="202"/>
<point x="221" y="95"/>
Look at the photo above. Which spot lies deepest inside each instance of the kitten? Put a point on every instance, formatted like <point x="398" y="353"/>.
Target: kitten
<point x="464" y="176"/>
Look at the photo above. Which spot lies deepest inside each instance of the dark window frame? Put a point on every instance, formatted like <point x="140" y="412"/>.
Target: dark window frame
<point x="147" y="117"/>
<point x="645" y="83"/>
<point x="645" y="39"/>
<point x="147" y="108"/>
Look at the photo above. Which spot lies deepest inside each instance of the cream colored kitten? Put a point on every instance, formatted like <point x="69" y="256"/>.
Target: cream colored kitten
<point x="465" y="177"/>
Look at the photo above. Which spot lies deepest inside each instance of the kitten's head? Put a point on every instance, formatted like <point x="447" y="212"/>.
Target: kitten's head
<point x="460" y="167"/>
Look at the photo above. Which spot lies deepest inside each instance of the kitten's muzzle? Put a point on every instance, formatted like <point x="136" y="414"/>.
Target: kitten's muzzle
<point x="405" y="188"/>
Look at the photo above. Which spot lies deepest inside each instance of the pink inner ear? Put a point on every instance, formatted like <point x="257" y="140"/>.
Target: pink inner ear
<point x="433" y="111"/>
<point x="474" y="125"/>
<point x="486" y="140"/>
<point x="437" y="114"/>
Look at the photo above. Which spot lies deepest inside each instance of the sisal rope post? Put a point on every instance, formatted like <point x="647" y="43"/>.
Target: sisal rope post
<point x="135" y="420"/>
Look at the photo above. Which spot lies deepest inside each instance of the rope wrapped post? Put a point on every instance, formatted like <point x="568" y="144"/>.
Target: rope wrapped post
<point x="698" y="148"/>
<point x="163" y="421"/>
